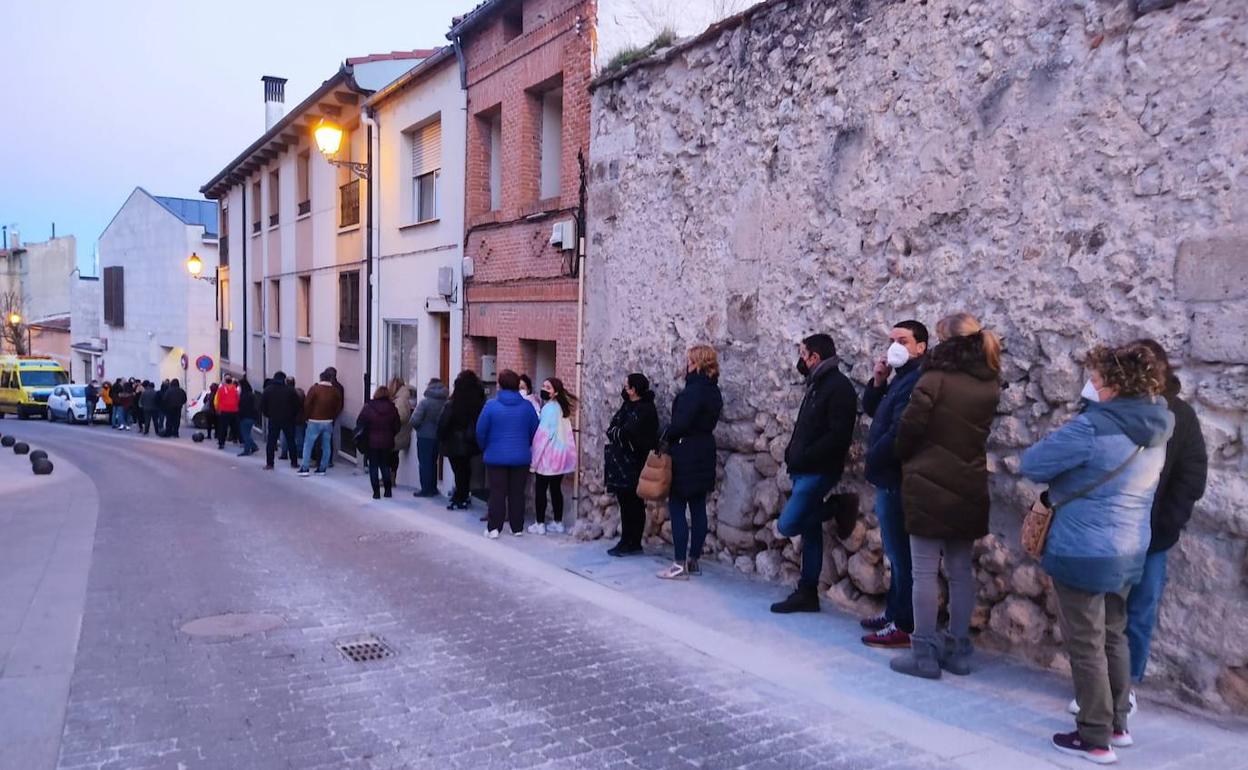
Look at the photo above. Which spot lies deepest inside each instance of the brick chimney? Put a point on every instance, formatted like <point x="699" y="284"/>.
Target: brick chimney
<point x="274" y="100"/>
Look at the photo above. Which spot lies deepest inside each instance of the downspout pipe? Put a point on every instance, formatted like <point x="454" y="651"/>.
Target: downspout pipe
<point x="463" y="63"/>
<point x="246" y="237"/>
<point x="580" y="328"/>
<point x="368" y="119"/>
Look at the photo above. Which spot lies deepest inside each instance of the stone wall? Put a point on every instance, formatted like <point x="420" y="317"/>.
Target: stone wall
<point x="1071" y="171"/>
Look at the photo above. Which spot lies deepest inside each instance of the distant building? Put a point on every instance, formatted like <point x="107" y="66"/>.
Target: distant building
<point x="86" y="344"/>
<point x="152" y="310"/>
<point x="34" y="282"/>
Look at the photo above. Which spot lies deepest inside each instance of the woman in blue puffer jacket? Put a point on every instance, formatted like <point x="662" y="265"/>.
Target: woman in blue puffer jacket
<point x="1102" y="469"/>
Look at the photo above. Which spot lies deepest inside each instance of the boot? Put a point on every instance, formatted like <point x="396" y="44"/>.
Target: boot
<point x="923" y="660"/>
<point x="376" y="492"/>
<point x="389" y="492"/>
<point x="803" y="599"/>
<point x="956" y="654"/>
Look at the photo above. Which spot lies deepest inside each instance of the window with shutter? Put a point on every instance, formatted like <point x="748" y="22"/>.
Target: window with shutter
<point x="426" y="143"/>
<point x="114" y="296"/>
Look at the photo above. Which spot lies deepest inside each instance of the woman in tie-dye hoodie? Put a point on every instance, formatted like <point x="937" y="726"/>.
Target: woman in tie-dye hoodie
<point x="554" y="453"/>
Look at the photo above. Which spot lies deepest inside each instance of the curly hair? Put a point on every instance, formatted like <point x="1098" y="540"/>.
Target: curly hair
<point x="1133" y="369"/>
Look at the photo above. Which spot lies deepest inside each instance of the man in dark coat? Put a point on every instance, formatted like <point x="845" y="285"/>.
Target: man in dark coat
<point x="884" y="401"/>
<point x="280" y="405"/>
<point x="815" y="459"/>
<point x="92" y="396"/>
<point x="174" y="400"/>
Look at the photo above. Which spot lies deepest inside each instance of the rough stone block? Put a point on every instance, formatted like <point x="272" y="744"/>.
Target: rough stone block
<point x="1210" y="269"/>
<point x="1220" y="333"/>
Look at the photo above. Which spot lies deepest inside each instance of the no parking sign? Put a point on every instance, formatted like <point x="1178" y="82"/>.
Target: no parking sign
<point x="204" y="364"/>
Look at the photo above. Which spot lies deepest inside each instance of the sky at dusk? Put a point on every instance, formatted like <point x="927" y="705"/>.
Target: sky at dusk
<point x="102" y="97"/>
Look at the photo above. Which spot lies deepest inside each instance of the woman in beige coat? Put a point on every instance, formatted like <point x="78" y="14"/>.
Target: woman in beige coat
<point x="401" y="395"/>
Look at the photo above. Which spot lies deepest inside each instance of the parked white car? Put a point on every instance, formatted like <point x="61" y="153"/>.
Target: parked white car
<point x="197" y="410"/>
<point x="69" y="403"/>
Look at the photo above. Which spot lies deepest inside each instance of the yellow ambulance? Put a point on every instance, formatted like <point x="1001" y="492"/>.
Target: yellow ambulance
<point x="26" y="382"/>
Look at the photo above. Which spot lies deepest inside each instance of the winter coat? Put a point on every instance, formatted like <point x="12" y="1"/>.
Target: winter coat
<point x="1183" y="476"/>
<point x="149" y="400"/>
<point x="633" y="432"/>
<point x="505" y="430"/>
<point x="885" y="404"/>
<point x="942" y="441"/>
<point x="378" y="420"/>
<point x="248" y="404"/>
<point x="174" y="399"/>
<point x="428" y="413"/>
<point x="825" y="424"/>
<point x="123" y="398"/>
<point x="402" y="400"/>
<point x="323" y="402"/>
<point x="106" y="394"/>
<point x="280" y="404"/>
<point x="457" y="426"/>
<point x="91" y="393"/>
<point x="226" y="401"/>
<point x="1097" y="542"/>
<point x="691" y="435"/>
<point x="554" y="443"/>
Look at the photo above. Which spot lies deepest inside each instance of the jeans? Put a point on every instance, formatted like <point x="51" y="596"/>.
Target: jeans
<point x="293" y="450"/>
<point x="121" y="417"/>
<point x="632" y="517"/>
<point x="227" y="426"/>
<point x="318" y="430"/>
<point x="899" y="607"/>
<point x="927" y="553"/>
<point x="1093" y="627"/>
<point x="427" y="458"/>
<point x="507" y="485"/>
<point x="803" y="515"/>
<point x="286" y="433"/>
<point x="461" y="467"/>
<point x="680" y="527"/>
<point x="245" y="426"/>
<point x="379" y="466"/>
<point x="553" y="485"/>
<point x="1142" y="604"/>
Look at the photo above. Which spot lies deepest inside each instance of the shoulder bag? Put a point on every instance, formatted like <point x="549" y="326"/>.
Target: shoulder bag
<point x="656" y="477"/>
<point x="1039" y="518"/>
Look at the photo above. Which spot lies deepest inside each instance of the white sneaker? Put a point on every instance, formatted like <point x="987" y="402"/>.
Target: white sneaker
<point x="1073" y="706"/>
<point x="1121" y="740"/>
<point x="555" y="527"/>
<point x="537" y="529"/>
<point x="518" y="533"/>
<point x="491" y="534"/>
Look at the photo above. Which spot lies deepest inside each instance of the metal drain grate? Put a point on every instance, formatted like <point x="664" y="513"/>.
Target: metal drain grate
<point x="364" y="648"/>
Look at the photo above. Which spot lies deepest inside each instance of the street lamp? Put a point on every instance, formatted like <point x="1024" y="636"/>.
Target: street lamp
<point x="328" y="136"/>
<point x="15" y="318"/>
<point x="195" y="266"/>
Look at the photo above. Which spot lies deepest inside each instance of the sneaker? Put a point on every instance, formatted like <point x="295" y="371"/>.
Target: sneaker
<point x="674" y="572"/>
<point x="1121" y="740"/>
<point x="537" y="529"/>
<point x="321" y="471"/>
<point x="889" y="637"/>
<point x="517" y="533"/>
<point x="1073" y="706"/>
<point x="692" y="568"/>
<point x="555" y="527"/>
<point x="801" y="600"/>
<point x="1072" y="744"/>
<point x="875" y="623"/>
<point x="491" y="534"/>
<point x="304" y="472"/>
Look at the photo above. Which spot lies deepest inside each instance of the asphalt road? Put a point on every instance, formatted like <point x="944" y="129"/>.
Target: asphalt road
<point x="491" y="668"/>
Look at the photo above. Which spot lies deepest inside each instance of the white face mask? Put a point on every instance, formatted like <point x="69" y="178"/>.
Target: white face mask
<point x="1089" y="392"/>
<point x="897" y="355"/>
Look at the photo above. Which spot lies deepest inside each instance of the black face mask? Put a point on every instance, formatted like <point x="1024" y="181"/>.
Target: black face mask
<point x="545" y="396"/>
<point x="802" y="368"/>
<point x="624" y="394"/>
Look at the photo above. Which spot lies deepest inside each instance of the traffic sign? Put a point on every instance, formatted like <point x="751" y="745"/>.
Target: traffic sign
<point x="185" y="362"/>
<point x="204" y="363"/>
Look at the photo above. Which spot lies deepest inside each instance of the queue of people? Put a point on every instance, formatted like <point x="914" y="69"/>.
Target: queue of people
<point x="139" y="404"/>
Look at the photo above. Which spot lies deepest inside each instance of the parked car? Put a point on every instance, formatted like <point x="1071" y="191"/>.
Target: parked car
<point x="69" y="403"/>
<point x="197" y="410"/>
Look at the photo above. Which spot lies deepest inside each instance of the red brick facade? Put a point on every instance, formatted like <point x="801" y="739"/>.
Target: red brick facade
<point x="523" y="291"/>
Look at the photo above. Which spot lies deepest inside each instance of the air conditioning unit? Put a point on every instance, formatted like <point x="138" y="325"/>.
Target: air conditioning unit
<point x="489" y="368"/>
<point x="446" y="281"/>
<point x="469" y="267"/>
<point x="563" y="235"/>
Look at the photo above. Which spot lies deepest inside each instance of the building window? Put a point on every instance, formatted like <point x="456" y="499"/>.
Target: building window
<point x="349" y="307"/>
<point x="257" y="318"/>
<point x="426" y="143"/>
<point x="401" y="350"/>
<point x="274" y="198"/>
<point x="223" y="242"/>
<point x="551" y="141"/>
<point x="496" y="161"/>
<point x="513" y="24"/>
<point x="275" y="306"/>
<point x="349" y="204"/>
<point x="304" y="167"/>
<point x="303" y="323"/>
<point x="255" y="206"/>
<point x="115" y="296"/>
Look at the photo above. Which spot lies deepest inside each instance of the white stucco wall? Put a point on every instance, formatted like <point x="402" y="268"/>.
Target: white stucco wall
<point x="46" y="267"/>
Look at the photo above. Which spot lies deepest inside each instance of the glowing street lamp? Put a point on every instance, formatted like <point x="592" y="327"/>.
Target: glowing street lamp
<point x="15" y="318"/>
<point x="328" y="135"/>
<point x="195" y="266"/>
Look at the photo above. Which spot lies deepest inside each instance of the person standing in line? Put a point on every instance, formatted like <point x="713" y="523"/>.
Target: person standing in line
<point x="424" y="422"/>
<point x="149" y="402"/>
<point x="280" y="405"/>
<point x="378" y="423"/>
<point x="1102" y="470"/>
<point x="554" y="454"/>
<point x="815" y="459"/>
<point x="160" y="407"/>
<point x="526" y="390"/>
<point x="226" y="404"/>
<point x="123" y="396"/>
<point x="632" y="434"/>
<point x="691" y="436"/>
<point x="248" y="416"/>
<point x="175" y="399"/>
<point x="884" y="402"/>
<point x="505" y="434"/>
<point x="91" y="395"/>
<point x="106" y="395"/>
<point x="291" y="452"/>
<point x="457" y="434"/>
<point x="331" y="373"/>
<point x="401" y="397"/>
<point x="322" y="406"/>
<point x="136" y="413"/>
<point x="210" y="410"/>
<point x="942" y="441"/>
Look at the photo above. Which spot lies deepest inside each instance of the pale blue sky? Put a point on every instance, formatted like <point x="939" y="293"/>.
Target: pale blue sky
<point x="103" y="96"/>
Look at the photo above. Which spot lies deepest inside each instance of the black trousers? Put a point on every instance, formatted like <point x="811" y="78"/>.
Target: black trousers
<point x="148" y="420"/>
<point x="461" y="467"/>
<point x="507" y="486"/>
<point x="379" y="465"/>
<point x="632" y="517"/>
<point x="227" y="425"/>
<point x="553" y="485"/>
<point x="270" y="442"/>
<point x="173" y="421"/>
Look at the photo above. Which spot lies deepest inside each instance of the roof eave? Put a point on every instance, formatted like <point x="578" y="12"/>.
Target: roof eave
<point x="474" y="17"/>
<point x="421" y="70"/>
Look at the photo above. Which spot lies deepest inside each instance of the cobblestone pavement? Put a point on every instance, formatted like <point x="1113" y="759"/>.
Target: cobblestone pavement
<point x="493" y="669"/>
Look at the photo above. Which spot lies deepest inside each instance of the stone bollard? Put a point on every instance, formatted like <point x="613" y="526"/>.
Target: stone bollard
<point x="38" y="454"/>
<point x="21" y="448"/>
<point x="41" y="467"/>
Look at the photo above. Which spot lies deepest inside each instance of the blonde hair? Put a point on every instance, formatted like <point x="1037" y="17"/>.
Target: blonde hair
<point x="395" y="384"/>
<point x="705" y="360"/>
<point x="966" y="325"/>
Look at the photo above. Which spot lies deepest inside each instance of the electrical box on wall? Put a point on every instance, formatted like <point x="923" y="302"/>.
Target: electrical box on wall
<point x="469" y="267"/>
<point x="489" y="368"/>
<point x="563" y="235"/>
<point x="446" y="281"/>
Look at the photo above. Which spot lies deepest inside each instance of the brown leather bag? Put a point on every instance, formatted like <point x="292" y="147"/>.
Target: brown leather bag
<point x="1039" y="518"/>
<point x="656" y="477"/>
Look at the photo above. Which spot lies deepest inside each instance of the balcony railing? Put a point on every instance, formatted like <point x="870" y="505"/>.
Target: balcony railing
<point x="255" y="226"/>
<point x="349" y="204"/>
<point x="304" y="207"/>
<point x="272" y="220"/>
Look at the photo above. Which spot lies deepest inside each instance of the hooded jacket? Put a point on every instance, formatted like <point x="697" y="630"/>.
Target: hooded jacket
<point x="379" y="421"/>
<point x="505" y="430"/>
<point x="280" y="403"/>
<point x="825" y="424"/>
<point x="691" y="435"/>
<point x="554" y="443"/>
<point x="884" y="404"/>
<point x="323" y="402"/>
<point x="1183" y="476"/>
<point x="226" y="400"/>
<point x="1098" y="542"/>
<point x="428" y="412"/>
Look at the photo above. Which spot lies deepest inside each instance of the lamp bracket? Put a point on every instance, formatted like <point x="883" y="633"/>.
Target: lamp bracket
<point x="359" y="169"/>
